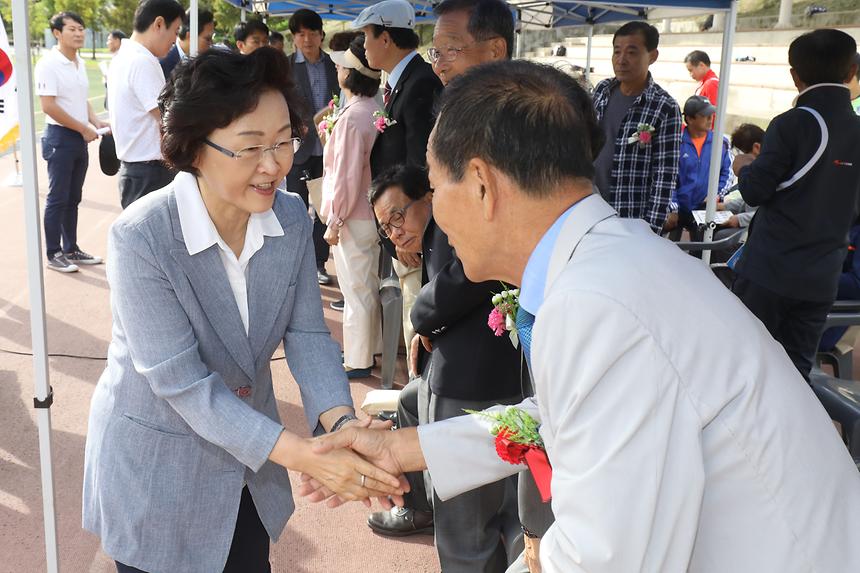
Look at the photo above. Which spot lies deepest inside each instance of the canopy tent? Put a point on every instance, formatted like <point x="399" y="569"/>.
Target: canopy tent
<point x="558" y="14"/>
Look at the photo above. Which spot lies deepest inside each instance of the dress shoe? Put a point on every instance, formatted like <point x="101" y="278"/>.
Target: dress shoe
<point x="322" y="277"/>
<point x="356" y="373"/>
<point x="337" y="305"/>
<point x="400" y="522"/>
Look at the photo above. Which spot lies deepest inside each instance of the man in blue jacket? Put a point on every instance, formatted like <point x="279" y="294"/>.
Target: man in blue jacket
<point x="695" y="163"/>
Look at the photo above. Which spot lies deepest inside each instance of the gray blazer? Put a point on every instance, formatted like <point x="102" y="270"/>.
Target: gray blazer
<point x="184" y="412"/>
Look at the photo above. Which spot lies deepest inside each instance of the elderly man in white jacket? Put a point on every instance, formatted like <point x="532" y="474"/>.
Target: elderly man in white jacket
<point x="665" y="457"/>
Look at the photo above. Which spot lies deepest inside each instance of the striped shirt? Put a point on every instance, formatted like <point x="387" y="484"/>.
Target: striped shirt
<point x="644" y="176"/>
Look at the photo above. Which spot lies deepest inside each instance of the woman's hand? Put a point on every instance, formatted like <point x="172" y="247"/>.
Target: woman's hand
<point x="332" y="235"/>
<point x="340" y="471"/>
<point x="411" y="260"/>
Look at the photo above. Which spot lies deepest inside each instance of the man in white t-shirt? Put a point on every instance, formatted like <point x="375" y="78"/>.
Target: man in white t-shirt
<point x="135" y="82"/>
<point x="63" y="87"/>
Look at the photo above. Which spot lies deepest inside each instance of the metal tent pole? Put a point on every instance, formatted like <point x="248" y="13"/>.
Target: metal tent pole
<point x="193" y="32"/>
<point x="719" y="127"/>
<point x="588" y="53"/>
<point x="43" y="394"/>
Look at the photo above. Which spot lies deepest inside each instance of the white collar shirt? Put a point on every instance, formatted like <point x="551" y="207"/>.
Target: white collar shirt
<point x="395" y="74"/>
<point x="182" y="54"/>
<point x="200" y="233"/>
<point x="66" y="80"/>
<point x="135" y="78"/>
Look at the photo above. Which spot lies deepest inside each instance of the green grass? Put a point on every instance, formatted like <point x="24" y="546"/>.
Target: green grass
<point x="96" y="95"/>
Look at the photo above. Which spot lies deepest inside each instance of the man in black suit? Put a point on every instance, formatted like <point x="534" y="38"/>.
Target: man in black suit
<point x="467" y="367"/>
<point x="390" y="43"/>
<point x="182" y="48"/>
<point x="315" y="77"/>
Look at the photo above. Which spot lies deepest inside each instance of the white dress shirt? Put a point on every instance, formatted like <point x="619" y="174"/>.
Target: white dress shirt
<point x="135" y="78"/>
<point x="200" y="234"/>
<point x="667" y="456"/>
<point x="67" y="81"/>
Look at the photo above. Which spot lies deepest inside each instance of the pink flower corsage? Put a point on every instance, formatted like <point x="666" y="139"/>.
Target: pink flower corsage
<point x="503" y="317"/>
<point x="381" y="121"/>
<point x="643" y="135"/>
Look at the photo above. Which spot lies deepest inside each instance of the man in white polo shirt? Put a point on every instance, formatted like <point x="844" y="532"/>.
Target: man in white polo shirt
<point x="135" y="81"/>
<point x="62" y="86"/>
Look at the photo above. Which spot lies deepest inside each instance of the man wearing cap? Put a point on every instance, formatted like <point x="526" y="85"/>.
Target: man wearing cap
<point x="695" y="163"/>
<point x="391" y="43"/>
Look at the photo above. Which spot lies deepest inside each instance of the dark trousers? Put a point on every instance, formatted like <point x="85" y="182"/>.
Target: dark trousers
<point x="796" y="324"/>
<point x="139" y="178"/>
<point x="249" y="552"/>
<point x="477" y="531"/>
<point x="66" y="153"/>
<point x="411" y="411"/>
<point x="310" y="169"/>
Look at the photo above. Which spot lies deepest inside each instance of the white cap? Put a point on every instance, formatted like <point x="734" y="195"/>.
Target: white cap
<point x="349" y="60"/>
<point x="388" y="13"/>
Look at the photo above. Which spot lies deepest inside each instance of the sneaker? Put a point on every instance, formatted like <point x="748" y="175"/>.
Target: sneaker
<point x="81" y="258"/>
<point x="337" y="305"/>
<point x="59" y="263"/>
<point x="322" y="277"/>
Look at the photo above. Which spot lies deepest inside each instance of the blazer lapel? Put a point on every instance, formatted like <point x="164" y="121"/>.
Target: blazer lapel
<point x="588" y="213"/>
<point x="208" y="279"/>
<point x="270" y="273"/>
<point x="407" y="71"/>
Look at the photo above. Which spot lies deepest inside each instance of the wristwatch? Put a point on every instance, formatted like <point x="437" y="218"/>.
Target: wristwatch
<point x="341" y="421"/>
<point x="528" y="533"/>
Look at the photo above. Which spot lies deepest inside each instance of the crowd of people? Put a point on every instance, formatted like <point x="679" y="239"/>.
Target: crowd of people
<point x="243" y="170"/>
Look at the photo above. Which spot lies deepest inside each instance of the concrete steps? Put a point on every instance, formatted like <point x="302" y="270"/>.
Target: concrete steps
<point x="759" y="90"/>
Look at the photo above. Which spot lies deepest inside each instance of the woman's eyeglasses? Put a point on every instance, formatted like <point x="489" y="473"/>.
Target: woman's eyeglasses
<point x="281" y="151"/>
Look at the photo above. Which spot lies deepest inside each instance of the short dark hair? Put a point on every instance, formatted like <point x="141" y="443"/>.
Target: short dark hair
<point x="822" y="56"/>
<point x="697" y="57"/>
<point x="487" y="19"/>
<point x="211" y="91"/>
<point x="245" y="29"/>
<point x="403" y="38"/>
<point x="305" y="18"/>
<point x="148" y="10"/>
<point x="356" y="82"/>
<point x="59" y="20"/>
<point x="648" y="32"/>
<point x="118" y="34"/>
<point x="275" y="36"/>
<point x="340" y="41"/>
<point x="410" y="178"/>
<point x="203" y="17"/>
<point x="537" y="125"/>
<point x="746" y="135"/>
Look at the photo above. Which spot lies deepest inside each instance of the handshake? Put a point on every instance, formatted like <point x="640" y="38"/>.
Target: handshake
<point x="361" y="461"/>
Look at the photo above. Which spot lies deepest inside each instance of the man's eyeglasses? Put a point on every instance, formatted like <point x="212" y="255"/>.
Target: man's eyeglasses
<point x="282" y="151"/>
<point x="395" y="221"/>
<point x="450" y="53"/>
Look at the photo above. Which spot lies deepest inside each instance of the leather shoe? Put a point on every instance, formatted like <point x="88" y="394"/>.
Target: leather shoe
<point x="322" y="277"/>
<point x="357" y="373"/>
<point x="400" y="522"/>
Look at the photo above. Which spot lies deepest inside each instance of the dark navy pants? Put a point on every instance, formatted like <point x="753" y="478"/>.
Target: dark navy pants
<point x="66" y="153"/>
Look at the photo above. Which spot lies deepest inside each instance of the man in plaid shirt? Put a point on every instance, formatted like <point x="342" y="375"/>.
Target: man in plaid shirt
<point x="637" y="169"/>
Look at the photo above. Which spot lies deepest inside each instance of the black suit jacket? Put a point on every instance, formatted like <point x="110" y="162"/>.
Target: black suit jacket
<point x="798" y="238"/>
<point x="299" y="72"/>
<point x="469" y="361"/>
<point x="411" y="106"/>
<point x="170" y="61"/>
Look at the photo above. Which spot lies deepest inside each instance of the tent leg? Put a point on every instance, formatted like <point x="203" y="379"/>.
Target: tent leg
<point x="719" y="126"/>
<point x="38" y="333"/>
<point x="588" y="54"/>
<point x="194" y="30"/>
<point x="518" y="31"/>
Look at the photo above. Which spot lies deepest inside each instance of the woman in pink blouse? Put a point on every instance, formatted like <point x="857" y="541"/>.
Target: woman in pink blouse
<point x="351" y="229"/>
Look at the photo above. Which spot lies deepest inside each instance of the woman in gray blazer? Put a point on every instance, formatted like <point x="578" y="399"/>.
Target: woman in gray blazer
<point x="186" y="454"/>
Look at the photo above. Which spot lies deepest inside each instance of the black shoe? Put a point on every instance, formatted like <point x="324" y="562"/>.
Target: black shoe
<point x="400" y="522"/>
<point x="322" y="276"/>
<point x="357" y="373"/>
<point x="337" y="305"/>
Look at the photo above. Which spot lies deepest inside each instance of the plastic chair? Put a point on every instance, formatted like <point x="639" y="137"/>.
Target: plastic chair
<point x="841" y="399"/>
<point x="840" y="357"/>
